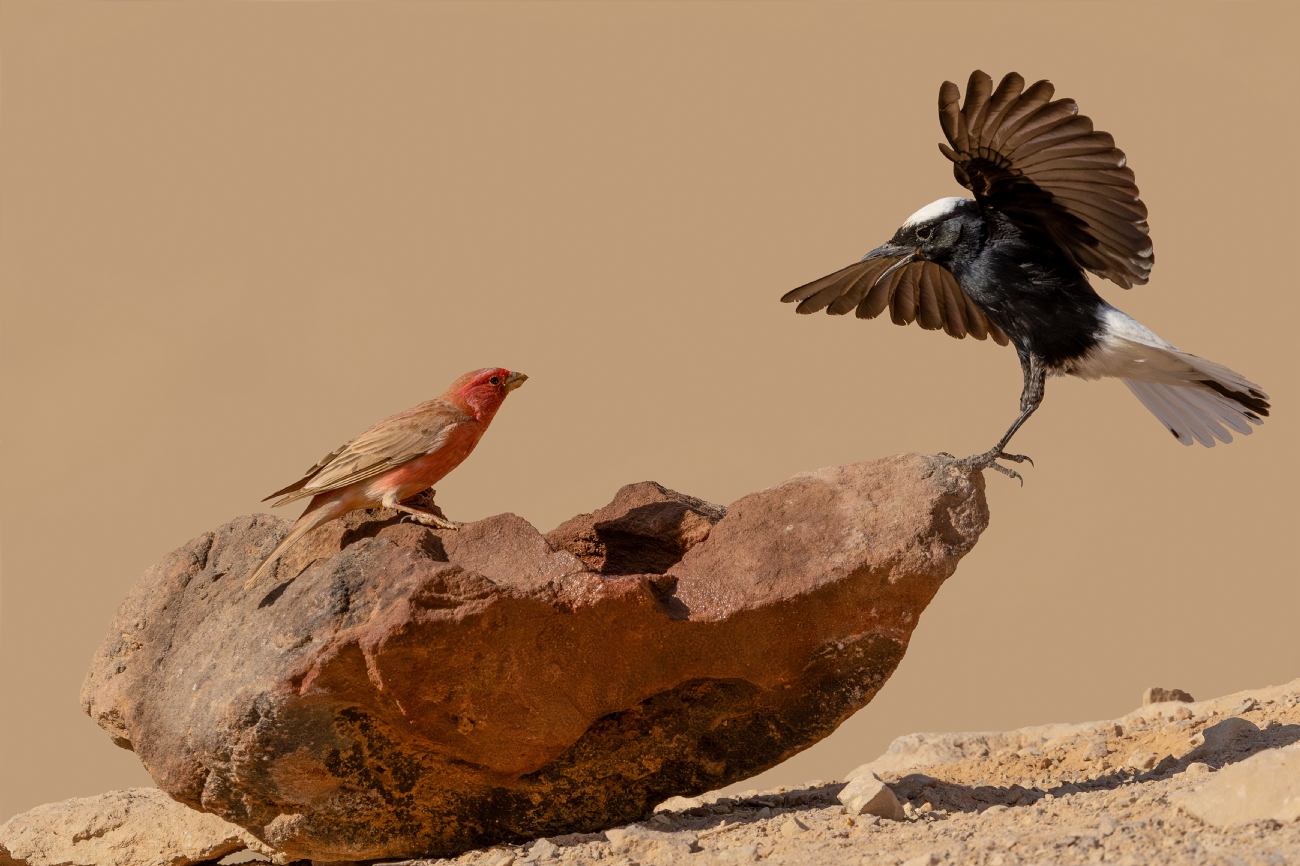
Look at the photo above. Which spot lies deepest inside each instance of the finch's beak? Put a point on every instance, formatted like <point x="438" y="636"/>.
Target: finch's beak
<point x="514" y="380"/>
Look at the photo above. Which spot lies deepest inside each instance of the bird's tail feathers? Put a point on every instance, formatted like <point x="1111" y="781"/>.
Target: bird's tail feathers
<point x="1195" y="414"/>
<point x="1197" y="400"/>
<point x="305" y="524"/>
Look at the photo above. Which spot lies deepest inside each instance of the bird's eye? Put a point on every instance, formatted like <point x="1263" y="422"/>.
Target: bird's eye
<point x="495" y="380"/>
<point x="924" y="232"/>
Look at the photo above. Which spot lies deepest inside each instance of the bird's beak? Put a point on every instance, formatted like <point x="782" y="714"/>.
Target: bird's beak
<point x="514" y="380"/>
<point x="885" y="251"/>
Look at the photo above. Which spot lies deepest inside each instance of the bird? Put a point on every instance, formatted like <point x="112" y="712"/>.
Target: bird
<point x="397" y="458"/>
<point x="1053" y="199"/>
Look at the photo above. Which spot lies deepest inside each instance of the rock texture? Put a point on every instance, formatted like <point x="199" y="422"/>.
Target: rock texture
<point x="1157" y="695"/>
<point x="135" y="827"/>
<point x="1265" y="786"/>
<point x="418" y="691"/>
<point x="868" y="795"/>
<point x="1038" y="796"/>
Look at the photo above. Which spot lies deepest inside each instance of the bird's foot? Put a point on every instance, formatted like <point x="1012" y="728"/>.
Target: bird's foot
<point x="988" y="460"/>
<point x="433" y="520"/>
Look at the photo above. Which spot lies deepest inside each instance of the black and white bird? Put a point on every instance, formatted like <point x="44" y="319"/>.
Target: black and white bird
<point x="1053" y="199"/>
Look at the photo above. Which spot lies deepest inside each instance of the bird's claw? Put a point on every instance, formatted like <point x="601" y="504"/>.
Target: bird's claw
<point x="432" y="520"/>
<point x="1007" y="471"/>
<point x="988" y="460"/>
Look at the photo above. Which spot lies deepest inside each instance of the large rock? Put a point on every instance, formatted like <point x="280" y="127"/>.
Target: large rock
<point x="414" y="691"/>
<point x="135" y="827"/>
<point x="1264" y="786"/>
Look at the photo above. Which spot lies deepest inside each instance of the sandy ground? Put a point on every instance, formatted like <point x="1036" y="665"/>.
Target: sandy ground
<point x="1101" y="792"/>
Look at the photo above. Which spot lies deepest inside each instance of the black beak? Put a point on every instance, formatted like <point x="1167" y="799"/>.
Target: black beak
<point x="889" y="250"/>
<point x="906" y="256"/>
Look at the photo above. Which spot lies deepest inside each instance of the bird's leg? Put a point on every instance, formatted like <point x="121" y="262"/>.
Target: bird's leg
<point x="426" y="517"/>
<point x="1035" y="383"/>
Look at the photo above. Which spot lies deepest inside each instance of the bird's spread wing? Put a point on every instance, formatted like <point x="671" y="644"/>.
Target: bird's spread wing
<point x="392" y="442"/>
<point x="1041" y="163"/>
<point x="919" y="291"/>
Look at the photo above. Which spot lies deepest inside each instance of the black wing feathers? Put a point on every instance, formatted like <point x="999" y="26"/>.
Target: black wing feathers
<point x="1042" y="164"/>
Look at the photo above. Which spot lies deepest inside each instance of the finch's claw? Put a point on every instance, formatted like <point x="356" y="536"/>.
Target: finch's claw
<point x="432" y="520"/>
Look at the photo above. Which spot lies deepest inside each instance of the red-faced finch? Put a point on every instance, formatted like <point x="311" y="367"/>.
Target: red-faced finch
<point x="399" y="457"/>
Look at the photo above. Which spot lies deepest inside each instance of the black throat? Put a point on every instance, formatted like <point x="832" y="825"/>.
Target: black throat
<point x="1028" y="288"/>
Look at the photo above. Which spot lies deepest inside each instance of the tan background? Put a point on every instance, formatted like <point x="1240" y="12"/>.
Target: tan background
<point x="235" y="235"/>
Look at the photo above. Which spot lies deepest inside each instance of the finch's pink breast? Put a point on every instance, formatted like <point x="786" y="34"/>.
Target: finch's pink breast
<point x="422" y="473"/>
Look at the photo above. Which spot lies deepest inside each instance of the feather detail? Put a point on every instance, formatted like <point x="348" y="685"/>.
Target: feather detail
<point x="1004" y="99"/>
<point x="1031" y="101"/>
<point x="978" y="89"/>
<point x="902" y="304"/>
<point x="928" y="312"/>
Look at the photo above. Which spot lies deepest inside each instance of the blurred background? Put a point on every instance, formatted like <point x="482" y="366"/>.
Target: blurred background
<point x="234" y="235"/>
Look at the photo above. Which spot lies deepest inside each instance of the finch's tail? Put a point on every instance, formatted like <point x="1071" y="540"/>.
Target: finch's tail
<point x="1194" y="398"/>
<point x="309" y="520"/>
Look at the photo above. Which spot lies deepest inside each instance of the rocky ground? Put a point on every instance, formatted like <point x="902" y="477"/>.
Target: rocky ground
<point x="1103" y="792"/>
<point x="1214" y="782"/>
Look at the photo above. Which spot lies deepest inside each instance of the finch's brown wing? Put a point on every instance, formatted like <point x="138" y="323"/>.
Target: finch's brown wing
<point x="395" y="440"/>
<point x="919" y="291"/>
<point x="1041" y="163"/>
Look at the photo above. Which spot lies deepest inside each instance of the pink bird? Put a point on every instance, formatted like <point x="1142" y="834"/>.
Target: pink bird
<point x="399" y="457"/>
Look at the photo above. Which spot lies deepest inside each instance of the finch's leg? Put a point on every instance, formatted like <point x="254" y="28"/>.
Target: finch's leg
<point x="1030" y="399"/>
<point x="428" y="518"/>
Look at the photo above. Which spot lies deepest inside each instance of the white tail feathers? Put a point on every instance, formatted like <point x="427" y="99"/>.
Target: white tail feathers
<point x="1197" y="400"/>
<point x="1194" y="414"/>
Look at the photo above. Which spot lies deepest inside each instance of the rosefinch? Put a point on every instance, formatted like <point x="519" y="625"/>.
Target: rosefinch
<point x="399" y="457"/>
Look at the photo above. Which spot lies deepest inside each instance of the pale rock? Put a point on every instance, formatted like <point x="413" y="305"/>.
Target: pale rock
<point x="793" y="827"/>
<point x="134" y="827"/>
<point x="679" y="804"/>
<point x="868" y="795"/>
<point x="543" y="849"/>
<point x="650" y="846"/>
<point x="738" y="854"/>
<point x="1226" y="736"/>
<point x="1197" y="768"/>
<point x="1140" y="760"/>
<point x="1266" y="785"/>
<point x="929" y="858"/>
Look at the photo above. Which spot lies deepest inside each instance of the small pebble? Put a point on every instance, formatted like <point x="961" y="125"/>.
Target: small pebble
<point x="929" y="858"/>
<point x="793" y="827"/>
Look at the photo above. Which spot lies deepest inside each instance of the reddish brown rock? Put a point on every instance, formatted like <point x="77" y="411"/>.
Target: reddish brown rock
<point x="415" y="691"/>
